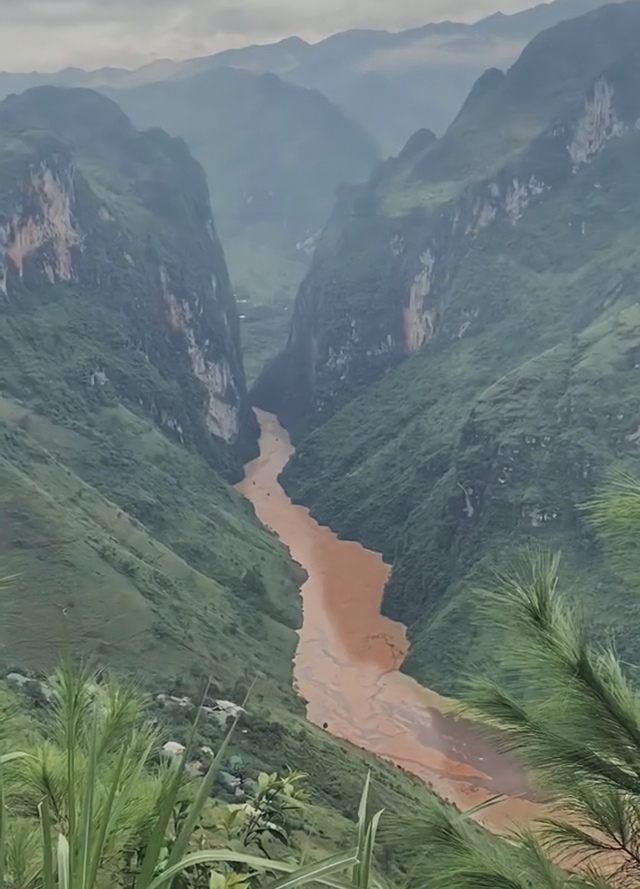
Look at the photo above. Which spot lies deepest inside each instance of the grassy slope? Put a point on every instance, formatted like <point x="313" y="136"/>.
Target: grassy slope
<point x="532" y="436"/>
<point x="159" y="603"/>
<point x="334" y="776"/>
<point x="162" y="571"/>
<point x="164" y="574"/>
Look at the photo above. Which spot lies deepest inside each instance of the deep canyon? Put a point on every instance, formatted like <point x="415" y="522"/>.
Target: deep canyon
<point x="347" y="666"/>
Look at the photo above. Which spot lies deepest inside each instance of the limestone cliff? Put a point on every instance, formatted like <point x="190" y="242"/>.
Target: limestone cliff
<point x="378" y="288"/>
<point x="89" y="203"/>
<point x="462" y="365"/>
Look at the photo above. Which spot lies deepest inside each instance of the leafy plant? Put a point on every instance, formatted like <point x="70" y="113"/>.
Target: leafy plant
<point x="574" y="724"/>
<point x="105" y="814"/>
<point x="277" y="797"/>
<point x="362" y="875"/>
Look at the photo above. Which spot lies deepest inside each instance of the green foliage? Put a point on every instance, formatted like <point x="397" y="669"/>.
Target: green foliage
<point x="277" y="797"/>
<point x="362" y="875"/>
<point x="574" y="724"/>
<point x="101" y="798"/>
<point x="524" y="400"/>
<point x="615" y="514"/>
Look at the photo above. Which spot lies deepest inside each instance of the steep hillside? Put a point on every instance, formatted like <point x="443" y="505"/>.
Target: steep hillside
<point x="466" y="342"/>
<point x="122" y="416"/>
<point x="275" y="156"/>
<point x="273" y="153"/>
<point x="123" y="404"/>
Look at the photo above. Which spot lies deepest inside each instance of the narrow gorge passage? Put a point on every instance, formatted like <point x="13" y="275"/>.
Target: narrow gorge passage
<point x="349" y="655"/>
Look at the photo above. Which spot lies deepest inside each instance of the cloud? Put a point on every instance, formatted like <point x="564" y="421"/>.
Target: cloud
<point x="52" y="34"/>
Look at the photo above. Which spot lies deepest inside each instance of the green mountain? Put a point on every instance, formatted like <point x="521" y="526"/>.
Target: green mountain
<point x="276" y="152"/>
<point x="123" y="416"/>
<point x="461" y="370"/>
<point x="123" y="406"/>
<point x="275" y="155"/>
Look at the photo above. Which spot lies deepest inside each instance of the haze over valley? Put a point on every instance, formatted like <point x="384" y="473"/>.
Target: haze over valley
<point x="319" y="467"/>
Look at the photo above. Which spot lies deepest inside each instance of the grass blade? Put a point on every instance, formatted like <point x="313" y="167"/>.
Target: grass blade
<point x="116" y="801"/>
<point x="314" y="873"/>
<point x="365" y="867"/>
<point x="168" y="800"/>
<point x="362" y="830"/>
<point x="3" y="829"/>
<point x="487" y="804"/>
<point x="216" y="856"/>
<point x="72" y="684"/>
<point x="12" y="757"/>
<point x="182" y="841"/>
<point x="64" y="863"/>
<point x="87" y="810"/>
<point x="97" y="849"/>
<point x="47" y="847"/>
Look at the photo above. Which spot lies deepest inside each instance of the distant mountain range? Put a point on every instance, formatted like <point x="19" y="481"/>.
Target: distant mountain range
<point x="281" y="128"/>
<point x="392" y="83"/>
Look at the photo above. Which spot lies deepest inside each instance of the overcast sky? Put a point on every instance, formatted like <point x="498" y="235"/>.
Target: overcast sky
<point x="52" y="34"/>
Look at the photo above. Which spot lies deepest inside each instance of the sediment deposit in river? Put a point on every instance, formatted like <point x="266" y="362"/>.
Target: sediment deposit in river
<point x="349" y="655"/>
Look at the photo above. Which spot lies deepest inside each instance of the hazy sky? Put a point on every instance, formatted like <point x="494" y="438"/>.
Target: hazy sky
<point x="51" y="34"/>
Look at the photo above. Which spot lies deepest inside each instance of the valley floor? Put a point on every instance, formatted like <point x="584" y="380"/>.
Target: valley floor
<point x="347" y="665"/>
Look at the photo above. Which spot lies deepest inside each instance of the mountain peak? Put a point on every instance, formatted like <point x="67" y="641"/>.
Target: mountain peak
<point x="78" y="115"/>
<point x="503" y="112"/>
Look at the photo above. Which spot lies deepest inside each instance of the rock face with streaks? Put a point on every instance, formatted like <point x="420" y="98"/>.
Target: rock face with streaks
<point x="461" y="370"/>
<point x="123" y="410"/>
<point x="88" y="202"/>
<point x="378" y="287"/>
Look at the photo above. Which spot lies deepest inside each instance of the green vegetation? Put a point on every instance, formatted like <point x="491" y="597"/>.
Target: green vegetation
<point x="115" y="506"/>
<point x="526" y="393"/>
<point x="572" y="718"/>
<point x="167" y="599"/>
<point x="116" y="513"/>
<point x="526" y="427"/>
<point x="89" y="797"/>
<point x="112" y="812"/>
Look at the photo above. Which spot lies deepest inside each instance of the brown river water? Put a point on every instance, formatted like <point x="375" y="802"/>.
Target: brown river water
<point x="347" y="666"/>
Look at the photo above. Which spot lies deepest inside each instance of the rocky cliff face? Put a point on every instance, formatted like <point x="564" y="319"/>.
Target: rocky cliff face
<point x="88" y="203"/>
<point x="379" y="284"/>
<point x="123" y="410"/>
<point x="460" y="372"/>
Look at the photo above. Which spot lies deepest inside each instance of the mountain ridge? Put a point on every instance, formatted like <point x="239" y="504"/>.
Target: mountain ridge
<point x="460" y="375"/>
<point x="275" y="155"/>
<point x="122" y="400"/>
<point x="360" y="70"/>
<point x="118" y="526"/>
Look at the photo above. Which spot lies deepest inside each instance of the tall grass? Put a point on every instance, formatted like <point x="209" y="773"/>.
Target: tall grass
<point x="105" y="803"/>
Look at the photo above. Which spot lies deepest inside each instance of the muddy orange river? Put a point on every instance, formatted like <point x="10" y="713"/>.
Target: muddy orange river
<point x="348" y="658"/>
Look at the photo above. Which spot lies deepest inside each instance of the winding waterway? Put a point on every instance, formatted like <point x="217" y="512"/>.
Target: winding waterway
<point x="348" y="658"/>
